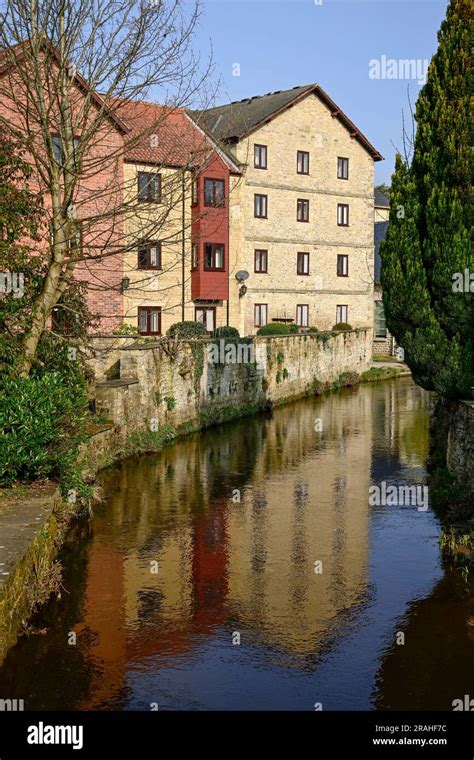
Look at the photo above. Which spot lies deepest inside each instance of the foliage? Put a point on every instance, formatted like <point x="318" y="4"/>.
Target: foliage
<point x="226" y="331"/>
<point x="277" y="328"/>
<point x="428" y="238"/>
<point x="41" y="426"/>
<point x="341" y="327"/>
<point x="126" y="329"/>
<point x="187" y="330"/>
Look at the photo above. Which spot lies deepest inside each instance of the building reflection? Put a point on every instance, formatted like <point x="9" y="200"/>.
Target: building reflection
<point x="237" y="521"/>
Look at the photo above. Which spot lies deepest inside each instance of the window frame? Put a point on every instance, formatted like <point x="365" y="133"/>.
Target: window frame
<point x="345" y="163"/>
<point x="149" y="310"/>
<point x="302" y="203"/>
<point x="304" y="154"/>
<point x="260" y="216"/>
<point x="342" y="306"/>
<point x="302" y="306"/>
<point x="206" y="309"/>
<point x="214" y="203"/>
<point x="304" y="256"/>
<point x="257" y="308"/>
<point x="344" y="207"/>
<point x="376" y="316"/>
<point x="149" y="198"/>
<point x="195" y="191"/>
<point x="148" y="244"/>
<point x="258" y="149"/>
<point x="57" y="136"/>
<point x="344" y="258"/>
<point x="260" y="251"/>
<point x="194" y="257"/>
<point x="213" y="247"/>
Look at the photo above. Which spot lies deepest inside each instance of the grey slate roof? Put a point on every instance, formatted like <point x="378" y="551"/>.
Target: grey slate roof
<point x="232" y="121"/>
<point x="380" y="199"/>
<point x="235" y="119"/>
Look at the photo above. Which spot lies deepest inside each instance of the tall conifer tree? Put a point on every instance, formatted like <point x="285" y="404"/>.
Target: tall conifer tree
<point x="427" y="258"/>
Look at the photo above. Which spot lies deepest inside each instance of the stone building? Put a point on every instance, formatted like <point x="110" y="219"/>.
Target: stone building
<point x="384" y="342"/>
<point x="176" y="259"/>
<point x="301" y="220"/>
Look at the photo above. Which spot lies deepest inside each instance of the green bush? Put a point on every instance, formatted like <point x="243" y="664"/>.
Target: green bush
<point x="293" y="328"/>
<point x="41" y="427"/>
<point x="226" y="331"/>
<point x="341" y="327"/>
<point x="313" y="329"/>
<point x="186" y="330"/>
<point x="276" y="328"/>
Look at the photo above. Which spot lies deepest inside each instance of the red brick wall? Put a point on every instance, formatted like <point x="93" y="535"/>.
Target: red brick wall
<point x="99" y="193"/>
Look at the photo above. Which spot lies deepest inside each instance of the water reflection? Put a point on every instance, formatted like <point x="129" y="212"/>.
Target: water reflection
<point x="240" y="522"/>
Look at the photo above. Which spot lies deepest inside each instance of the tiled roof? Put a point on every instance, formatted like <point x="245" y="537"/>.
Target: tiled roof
<point x="159" y="134"/>
<point x="238" y="119"/>
<point x="163" y="135"/>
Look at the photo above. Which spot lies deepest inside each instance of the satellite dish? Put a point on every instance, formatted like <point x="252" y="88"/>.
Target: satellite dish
<point x="242" y="275"/>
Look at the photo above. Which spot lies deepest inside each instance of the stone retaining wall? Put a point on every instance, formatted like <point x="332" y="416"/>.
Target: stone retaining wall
<point x="176" y="382"/>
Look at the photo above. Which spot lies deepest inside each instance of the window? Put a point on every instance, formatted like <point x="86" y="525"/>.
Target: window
<point x="302" y="263"/>
<point x="149" y="320"/>
<point x="261" y="261"/>
<point x="341" y="314"/>
<point x="343" y="215"/>
<point x="260" y="206"/>
<point x="149" y="187"/>
<point x="302" y="162"/>
<point x="58" y="149"/>
<point x="342" y="168"/>
<point x="302" y="311"/>
<point x="207" y="316"/>
<point x="194" y="256"/>
<point x="380" y="326"/>
<point x="342" y="265"/>
<point x="214" y="192"/>
<point x="149" y="254"/>
<point x="260" y="156"/>
<point x="302" y="210"/>
<point x="213" y="256"/>
<point x="195" y="191"/>
<point x="260" y="314"/>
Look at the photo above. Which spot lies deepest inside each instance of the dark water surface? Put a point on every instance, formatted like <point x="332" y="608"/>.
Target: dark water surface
<point x="230" y="568"/>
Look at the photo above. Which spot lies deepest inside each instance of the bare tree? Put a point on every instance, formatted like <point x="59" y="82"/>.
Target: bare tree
<point x="68" y="71"/>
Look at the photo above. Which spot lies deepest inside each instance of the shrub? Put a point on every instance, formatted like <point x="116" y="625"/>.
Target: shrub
<point x="293" y="328"/>
<point x="186" y="330"/>
<point x="41" y="427"/>
<point x="276" y="328"/>
<point x="341" y="327"/>
<point x="126" y="329"/>
<point x="313" y="329"/>
<point x="226" y="331"/>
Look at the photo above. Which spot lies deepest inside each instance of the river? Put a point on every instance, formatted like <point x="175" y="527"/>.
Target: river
<point x="244" y="568"/>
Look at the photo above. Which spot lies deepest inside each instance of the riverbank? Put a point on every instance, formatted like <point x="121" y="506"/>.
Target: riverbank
<point x="137" y="413"/>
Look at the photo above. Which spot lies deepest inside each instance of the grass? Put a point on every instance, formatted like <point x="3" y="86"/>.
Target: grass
<point x="379" y="373"/>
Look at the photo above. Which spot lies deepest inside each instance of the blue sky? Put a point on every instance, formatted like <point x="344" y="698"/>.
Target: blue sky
<point x="283" y="43"/>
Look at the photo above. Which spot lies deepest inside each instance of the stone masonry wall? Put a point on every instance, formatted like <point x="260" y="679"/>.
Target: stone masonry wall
<point x="178" y="382"/>
<point x="460" y="451"/>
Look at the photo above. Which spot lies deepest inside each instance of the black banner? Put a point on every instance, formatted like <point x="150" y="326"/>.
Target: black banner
<point x="137" y="734"/>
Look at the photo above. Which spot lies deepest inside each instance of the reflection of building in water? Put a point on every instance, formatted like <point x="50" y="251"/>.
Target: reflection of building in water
<point x="400" y="423"/>
<point x="248" y="566"/>
<point x="306" y="503"/>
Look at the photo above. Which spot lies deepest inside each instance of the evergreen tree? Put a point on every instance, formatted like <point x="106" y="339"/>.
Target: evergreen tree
<point x="427" y="257"/>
